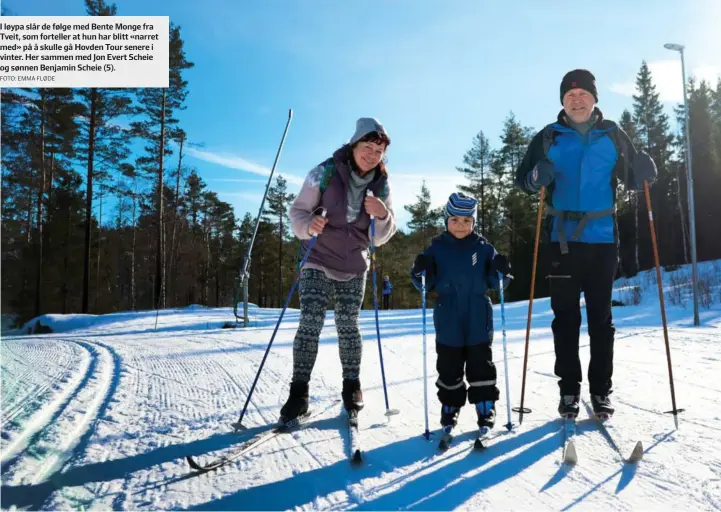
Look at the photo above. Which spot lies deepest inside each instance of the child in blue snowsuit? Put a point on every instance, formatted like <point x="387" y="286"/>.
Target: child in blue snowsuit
<point x="461" y="266"/>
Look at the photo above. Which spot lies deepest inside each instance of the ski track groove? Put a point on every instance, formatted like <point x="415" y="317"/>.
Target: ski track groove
<point x="34" y="429"/>
<point x="17" y="401"/>
<point x="76" y="447"/>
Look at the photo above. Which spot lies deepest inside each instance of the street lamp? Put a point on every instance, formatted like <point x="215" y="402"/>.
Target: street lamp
<point x="689" y="180"/>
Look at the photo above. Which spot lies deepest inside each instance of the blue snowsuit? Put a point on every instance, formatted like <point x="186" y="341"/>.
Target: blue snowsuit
<point x="463" y="317"/>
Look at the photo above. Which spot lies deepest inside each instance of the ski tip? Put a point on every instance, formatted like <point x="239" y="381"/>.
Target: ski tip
<point x="392" y="412"/>
<point x="570" y="457"/>
<point x="637" y="453"/>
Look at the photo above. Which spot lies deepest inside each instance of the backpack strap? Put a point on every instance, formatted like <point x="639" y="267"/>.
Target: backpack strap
<point x="549" y="138"/>
<point x="328" y="172"/>
<point x="622" y="150"/>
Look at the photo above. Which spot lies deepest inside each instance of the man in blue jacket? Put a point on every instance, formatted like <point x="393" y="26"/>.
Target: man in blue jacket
<point x="580" y="159"/>
<point x="461" y="266"/>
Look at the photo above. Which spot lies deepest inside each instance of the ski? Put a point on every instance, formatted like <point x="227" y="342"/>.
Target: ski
<point x="483" y="436"/>
<point x="256" y="440"/>
<point x="610" y="433"/>
<point x="356" y="452"/>
<point x="569" y="448"/>
<point x="446" y="439"/>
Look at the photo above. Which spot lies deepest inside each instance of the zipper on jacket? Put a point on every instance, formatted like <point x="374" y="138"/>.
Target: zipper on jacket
<point x="580" y="168"/>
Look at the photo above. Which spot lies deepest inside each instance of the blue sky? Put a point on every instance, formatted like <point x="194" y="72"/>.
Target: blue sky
<point x="435" y="73"/>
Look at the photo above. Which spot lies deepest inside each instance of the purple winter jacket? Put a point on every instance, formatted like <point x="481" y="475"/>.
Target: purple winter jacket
<point x="342" y="247"/>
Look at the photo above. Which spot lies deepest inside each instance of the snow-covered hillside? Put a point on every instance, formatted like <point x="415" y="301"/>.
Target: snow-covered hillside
<point x="102" y="412"/>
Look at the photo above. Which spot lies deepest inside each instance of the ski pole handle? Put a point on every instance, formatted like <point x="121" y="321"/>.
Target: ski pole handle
<point x="369" y="193"/>
<point x="323" y="214"/>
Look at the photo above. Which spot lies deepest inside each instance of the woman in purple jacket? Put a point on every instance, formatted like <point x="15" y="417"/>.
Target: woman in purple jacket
<point x="338" y="263"/>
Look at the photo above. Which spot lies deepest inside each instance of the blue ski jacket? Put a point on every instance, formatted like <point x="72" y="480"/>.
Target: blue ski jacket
<point x="461" y="275"/>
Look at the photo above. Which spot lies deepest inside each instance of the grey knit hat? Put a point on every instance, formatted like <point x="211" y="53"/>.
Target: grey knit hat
<point x="364" y="126"/>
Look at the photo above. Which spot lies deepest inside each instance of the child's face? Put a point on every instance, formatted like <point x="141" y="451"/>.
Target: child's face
<point x="460" y="227"/>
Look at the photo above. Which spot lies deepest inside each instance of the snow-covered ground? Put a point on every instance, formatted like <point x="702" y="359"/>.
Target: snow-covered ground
<point x="101" y="413"/>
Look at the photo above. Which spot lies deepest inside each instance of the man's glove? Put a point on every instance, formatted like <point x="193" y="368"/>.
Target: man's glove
<point x="501" y="264"/>
<point x="543" y="174"/>
<point x="644" y="169"/>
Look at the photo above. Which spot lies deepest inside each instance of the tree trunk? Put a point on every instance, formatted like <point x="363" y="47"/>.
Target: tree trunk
<point x="280" y="257"/>
<point x="89" y="200"/>
<point x="29" y="223"/>
<point x="41" y="193"/>
<point x="52" y="178"/>
<point x="636" y="213"/>
<point x="206" y="270"/>
<point x="66" y="259"/>
<point x="173" y="248"/>
<point x="160" y="255"/>
<point x="217" y="277"/>
<point x="97" y="268"/>
<point x="132" y="252"/>
<point x="483" y="205"/>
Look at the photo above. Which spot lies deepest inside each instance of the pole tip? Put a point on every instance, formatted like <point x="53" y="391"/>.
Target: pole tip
<point x="290" y="113"/>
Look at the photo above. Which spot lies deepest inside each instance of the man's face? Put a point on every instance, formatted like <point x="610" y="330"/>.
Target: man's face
<point x="579" y="105"/>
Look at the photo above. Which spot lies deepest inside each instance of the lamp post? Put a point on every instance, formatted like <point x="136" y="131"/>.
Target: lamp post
<point x="689" y="179"/>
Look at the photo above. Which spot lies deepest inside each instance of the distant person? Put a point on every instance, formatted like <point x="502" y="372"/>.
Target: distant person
<point x="387" y="289"/>
<point x="581" y="158"/>
<point x="461" y="266"/>
<point x="338" y="262"/>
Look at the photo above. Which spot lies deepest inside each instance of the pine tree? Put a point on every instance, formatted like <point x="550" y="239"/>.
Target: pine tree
<point x="424" y="219"/>
<point x="654" y="137"/>
<point x="477" y="162"/>
<point x="278" y="205"/>
<point x="160" y="107"/>
<point x="102" y="140"/>
<point x="706" y="169"/>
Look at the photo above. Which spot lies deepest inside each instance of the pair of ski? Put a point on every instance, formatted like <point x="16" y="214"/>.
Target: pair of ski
<point x="609" y="432"/>
<point x="479" y="444"/>
<point x="356" y="454"/>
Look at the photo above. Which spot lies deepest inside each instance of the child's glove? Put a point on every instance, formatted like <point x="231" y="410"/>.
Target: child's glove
<point x="421" y="263"/>
<point x="501" y="264"/>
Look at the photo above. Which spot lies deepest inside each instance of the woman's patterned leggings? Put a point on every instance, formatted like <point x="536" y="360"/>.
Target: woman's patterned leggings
<point x="315" y="291"/>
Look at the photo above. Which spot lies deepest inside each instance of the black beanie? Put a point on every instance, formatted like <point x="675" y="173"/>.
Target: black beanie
<point x="579" y="78"/>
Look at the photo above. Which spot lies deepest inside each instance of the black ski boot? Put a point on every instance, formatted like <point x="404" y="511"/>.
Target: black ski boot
<point x="602" y="407"/>
<point x="486" y="413"/>
<point x="352" y="395"/>
<point x="449" y="416"/>
<point x="297" y="403"/>
<point x="568" y="407"/>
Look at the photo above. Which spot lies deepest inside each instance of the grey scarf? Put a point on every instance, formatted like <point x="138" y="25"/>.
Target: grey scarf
<point x="356" y="192"/>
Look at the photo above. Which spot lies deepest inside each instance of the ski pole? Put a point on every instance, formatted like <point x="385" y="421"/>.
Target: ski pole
<point x="389" y="411"/>
<point x="239" y="424"/>
<point x="427" y="434"/>
<point x="245" y="272"/>
<point x="660" y="299"/>
<point x="521" y="410"/>
<point x="509" y="425"/>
